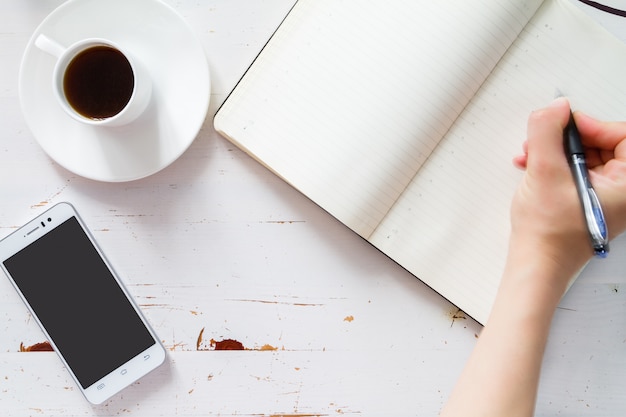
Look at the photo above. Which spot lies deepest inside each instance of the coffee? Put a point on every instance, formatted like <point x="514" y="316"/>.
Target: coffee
<point x="98" y="82"/>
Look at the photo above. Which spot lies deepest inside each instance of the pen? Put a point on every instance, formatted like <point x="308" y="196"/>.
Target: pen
<point x="594" y="217"/>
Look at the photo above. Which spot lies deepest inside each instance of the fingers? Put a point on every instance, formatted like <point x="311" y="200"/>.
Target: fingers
<point x="601" y="135"/>
<point x="519" y="161"/>
<point x="605" y="140"/>
<point x="606" y="157"/>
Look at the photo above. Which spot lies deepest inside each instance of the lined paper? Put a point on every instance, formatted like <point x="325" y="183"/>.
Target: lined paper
<point x="349" y="98"/>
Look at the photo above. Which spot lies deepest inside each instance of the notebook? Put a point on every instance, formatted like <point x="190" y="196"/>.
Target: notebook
<point x="401" y="117"/>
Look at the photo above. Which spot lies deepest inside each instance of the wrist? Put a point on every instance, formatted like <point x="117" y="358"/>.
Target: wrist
<point x="540" y="271"/>
<point x="561" y="254"/>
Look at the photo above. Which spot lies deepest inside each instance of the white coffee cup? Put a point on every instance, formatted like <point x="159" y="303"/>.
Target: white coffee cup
<point x="97" y="82"/>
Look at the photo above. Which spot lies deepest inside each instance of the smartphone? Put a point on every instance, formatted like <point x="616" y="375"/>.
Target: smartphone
<point x="80" y="303"/>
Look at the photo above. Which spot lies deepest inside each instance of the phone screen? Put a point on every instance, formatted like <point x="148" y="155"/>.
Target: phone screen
<point x="79" y="302"/>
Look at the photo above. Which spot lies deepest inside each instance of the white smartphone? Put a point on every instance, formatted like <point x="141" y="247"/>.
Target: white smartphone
<point x="80" y="303"/>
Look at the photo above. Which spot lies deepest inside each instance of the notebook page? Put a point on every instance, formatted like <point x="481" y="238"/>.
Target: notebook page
<point x="349" y="98"/>
<point x="451" y="227"/>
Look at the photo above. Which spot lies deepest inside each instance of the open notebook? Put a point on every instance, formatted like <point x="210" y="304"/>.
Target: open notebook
<point x="401" y="117"/>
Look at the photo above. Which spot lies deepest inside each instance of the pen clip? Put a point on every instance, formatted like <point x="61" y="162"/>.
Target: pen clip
<point x="592" y="210"/>
<point x="596" y="223"/>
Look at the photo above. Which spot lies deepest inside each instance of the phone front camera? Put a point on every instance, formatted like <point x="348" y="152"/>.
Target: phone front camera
<point x="49" y="219"/>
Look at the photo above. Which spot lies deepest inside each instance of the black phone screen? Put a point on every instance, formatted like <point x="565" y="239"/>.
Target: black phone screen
<point x="79" y="303"/>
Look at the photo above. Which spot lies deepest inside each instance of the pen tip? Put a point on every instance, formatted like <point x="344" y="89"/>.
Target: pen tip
<point x="558" y="93"/>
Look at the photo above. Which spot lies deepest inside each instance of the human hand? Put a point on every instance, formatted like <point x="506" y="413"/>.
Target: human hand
<point x="546" y="213"/>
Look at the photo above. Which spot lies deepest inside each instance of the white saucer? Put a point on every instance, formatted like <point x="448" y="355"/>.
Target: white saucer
<point x="162" y="40"/>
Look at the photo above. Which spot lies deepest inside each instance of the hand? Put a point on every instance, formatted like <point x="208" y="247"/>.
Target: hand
<point x="546" y="212"/>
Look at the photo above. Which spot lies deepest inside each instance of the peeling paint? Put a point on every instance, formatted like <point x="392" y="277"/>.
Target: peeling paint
<point x="37" y="347"/>
<point x="276" y="302"/>
<point x="227" y="344"/>
<point x="456" y="314"/>
<point x="199" y="340"/>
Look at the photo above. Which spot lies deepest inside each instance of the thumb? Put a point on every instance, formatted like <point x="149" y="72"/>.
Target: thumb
<point x="545" y="138"/>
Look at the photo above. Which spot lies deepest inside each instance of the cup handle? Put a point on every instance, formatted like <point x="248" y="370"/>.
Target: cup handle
<point x="49" y="45"/>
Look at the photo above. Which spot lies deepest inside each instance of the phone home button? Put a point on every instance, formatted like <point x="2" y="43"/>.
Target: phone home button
<point x="99" y="387"/>
<point x="124" y="371"/>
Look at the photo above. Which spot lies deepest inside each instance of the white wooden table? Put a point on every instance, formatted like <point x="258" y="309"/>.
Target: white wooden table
<point x="215" y="248"/>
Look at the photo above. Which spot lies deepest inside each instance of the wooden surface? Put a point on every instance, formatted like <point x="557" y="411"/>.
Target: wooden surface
<point x="216" y="248"/>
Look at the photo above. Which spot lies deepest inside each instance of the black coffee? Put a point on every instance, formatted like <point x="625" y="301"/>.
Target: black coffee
<point x="98" y="82"/>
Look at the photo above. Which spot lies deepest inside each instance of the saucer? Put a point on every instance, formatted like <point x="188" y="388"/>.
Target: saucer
<point x="159" y="37"/>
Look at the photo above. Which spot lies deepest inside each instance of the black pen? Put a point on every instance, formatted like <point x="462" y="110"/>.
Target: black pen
<point x="592" y="210"/>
